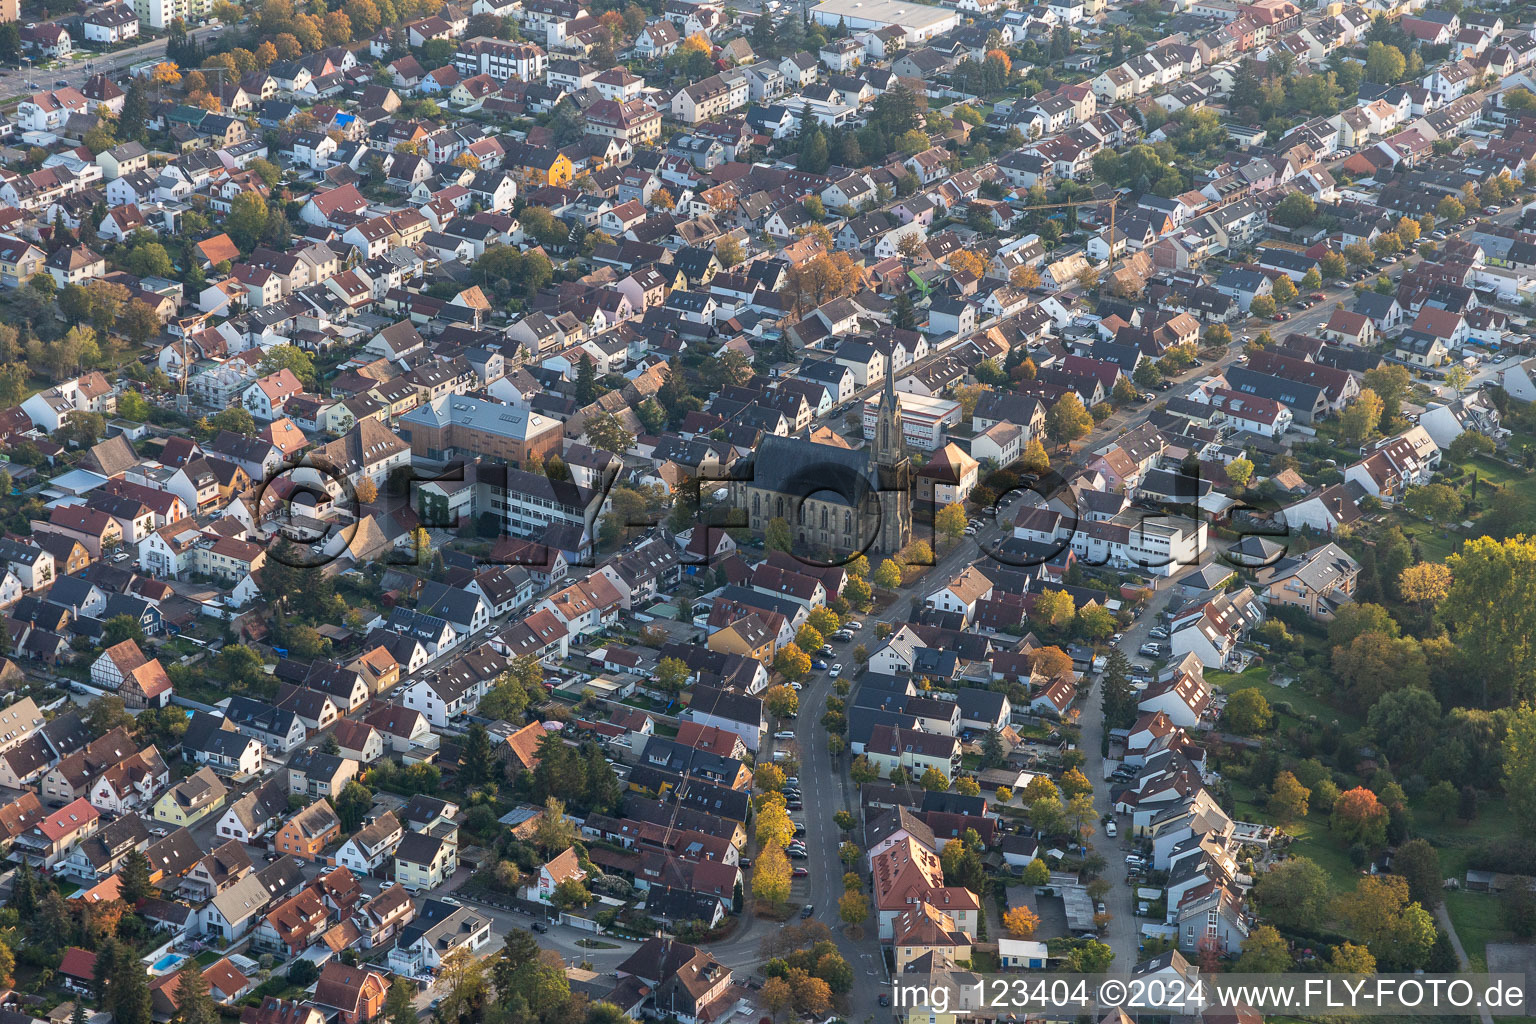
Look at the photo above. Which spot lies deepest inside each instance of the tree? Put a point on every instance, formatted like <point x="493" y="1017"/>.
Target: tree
<point x="1333" y="266"/>
<point x="888" y="574"/>
<point x="1075" y="783"/>
<point x="607" y="432"/>
<point x="1261" y="306"/>
<point x="1436" y="502"/>
<point x="1284" y="290"/>
<point x="1020" y="922"/>
<point x="782" y="701"/>
<point x="1091" y="957"/>
<point x="777" y="536"/>
<point x="853" y="908"/>
<point x="728" y="251"/>
<point x="194" y="1003"/>
<point x="1295" y="210"/>
<point x="1372" y="662"/>
<point x="1048" y="817"/>
<point x="1519" y="750"/>
<point x="1264" y="952"/>
<point x="771" y="876"/>
<point x="1053" y="609"/>
<point x="555" y="832"/>
<point x="809" y="638"/>
<point x="951" y="521"/>
<point x="1247" y="713"/>
<point x="776" y="996"/>
<point x="1384" y="64"/>
<point x="1349" y="958"/>
<point x="1288" y="799"/>
<point x="1358" y="817"/>
<point x="1292" y="893"/>
<point x="1240" y="471"/>
<point x="1068" y="420"/>
<point x="1081" y="815"/>
<point x="774" y="827"/>
<point x="1440" y="800"/>
<point x="1034" y="459"/>
<point x="462" y="977"/>
<point x="400" y="1003"/>
<point x="353" y="804"/>
<point x="933" y="780"/>
<point x="1418" y="862"/>
<point x="862" y="770"/>
<point x="104" y="714"/>
<point x="1491" y="611"/>
<point x="1450" y="208"/>
<point x="128" y="987"/>
<point x="1398" y="931"/>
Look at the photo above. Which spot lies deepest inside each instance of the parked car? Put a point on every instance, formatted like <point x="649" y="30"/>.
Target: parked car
<point x="1158" y="632"/>
<point x="796" y="686"/>
<point x="1111" y="829"/>
<point x="539" y="926"/>
<point x="1151" y="650"/>
<point x="800" y="873"/>
<point x="807" y="911"/>
<point x="819" y="665"/>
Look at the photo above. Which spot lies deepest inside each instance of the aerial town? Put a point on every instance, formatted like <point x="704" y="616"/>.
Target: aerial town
<point x="548" y="512"/>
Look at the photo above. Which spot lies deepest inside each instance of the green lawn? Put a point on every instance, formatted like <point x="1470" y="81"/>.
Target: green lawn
<point x="1476" y="917"/>
<point x="1304" y="704"/>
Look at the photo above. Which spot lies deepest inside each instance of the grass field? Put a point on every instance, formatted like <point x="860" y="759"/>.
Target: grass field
<point x="1304" y="704"/>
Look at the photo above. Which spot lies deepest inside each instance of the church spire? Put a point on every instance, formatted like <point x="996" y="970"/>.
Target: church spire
<point x="888" y="438"/>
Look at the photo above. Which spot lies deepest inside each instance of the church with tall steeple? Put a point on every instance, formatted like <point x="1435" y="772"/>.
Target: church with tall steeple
<point x="837" y="501"/>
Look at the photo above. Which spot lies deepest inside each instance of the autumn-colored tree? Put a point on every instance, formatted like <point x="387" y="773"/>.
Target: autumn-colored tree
<point x="1034" y="460"/>
<point x="1358" y="817"/>
<point x="770" y="876"/>
<point x="776" y="996"/>
<point x="266" y="54"/>
<point x="1021" y="922"/>
<point x="951" y="521"/>
<point x="782" y="701"/>
<point x="1053" y="608"/>
<point x="1024" y="277"/>
<point x="165" y="73"/>
<point x="968" y="261"/>
<point x="1361" y="417"/>
<point x="1425" y="584"/>
<point x="1289" y="798"/>
<point x="888" y="574"/>
<point x="1240" y="471"/>
<point x="697" y="42"/>
<point x="774" y="828"/>
<point x="853" y="907"/>
<point x="287" y="45"/>
<point x="827" y="276"/>
<point x="1075" y="783"/>
<point x="1053" y="662"/>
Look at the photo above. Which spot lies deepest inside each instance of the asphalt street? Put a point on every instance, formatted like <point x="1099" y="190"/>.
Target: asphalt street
<point x="83" y="64"/>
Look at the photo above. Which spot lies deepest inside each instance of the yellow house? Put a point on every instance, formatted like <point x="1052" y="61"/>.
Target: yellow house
<point x="539" y="165"/>
<point x="20" y="261"/>
<point x="192" y="799"/>
<point x="923" y="929"/>
<point x="749" y="637"/>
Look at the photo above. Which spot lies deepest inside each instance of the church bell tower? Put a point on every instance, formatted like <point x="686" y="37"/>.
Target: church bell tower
<point x="893" y="473"/>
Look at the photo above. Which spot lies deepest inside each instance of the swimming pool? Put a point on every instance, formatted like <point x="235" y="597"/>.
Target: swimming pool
<point x="168" y="963"/>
